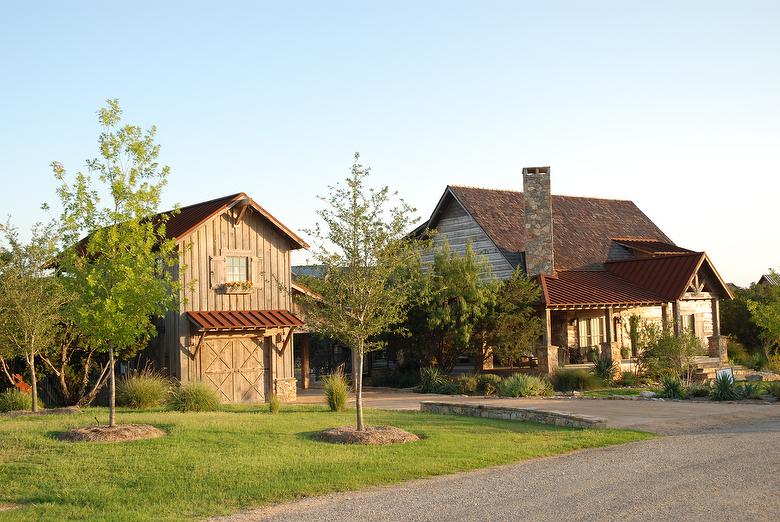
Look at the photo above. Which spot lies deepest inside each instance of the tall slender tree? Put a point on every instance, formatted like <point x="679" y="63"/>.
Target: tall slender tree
<point x="31" y="298"/>
<point x="120" y="274"/>
<point x="369" y="267"/>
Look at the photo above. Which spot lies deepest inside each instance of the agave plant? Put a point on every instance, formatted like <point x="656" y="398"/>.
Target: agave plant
<point x="725" y="389"/>
<point x="605" y="368"/>
<point x="673" y="387"/>
<point x="431" y="380"/>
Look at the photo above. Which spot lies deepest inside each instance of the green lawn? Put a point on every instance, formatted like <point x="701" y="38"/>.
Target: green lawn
<point x="218" y="463"/>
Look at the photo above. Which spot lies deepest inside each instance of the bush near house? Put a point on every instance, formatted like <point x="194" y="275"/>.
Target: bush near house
<point x="487" y="383"/>
<point x="672" y="387"/>
<point x="724" y="389"/>
<point x="576" y="380"/>
<point x="13" y="400"/>
<point x="195" y="397"/>
<point x="143" y="389"/>
<point x="521" y="385"/>
<point x="336" y="389"/>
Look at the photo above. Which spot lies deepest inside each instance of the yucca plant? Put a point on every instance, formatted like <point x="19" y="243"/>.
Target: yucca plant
<point x="724" y="389"/>
<point x="752" y="390"/>
<point x="672" y="387"/>
<point x="336" y="390"/>
<point x="605" y="368"/>
<point x="432" y="380"/>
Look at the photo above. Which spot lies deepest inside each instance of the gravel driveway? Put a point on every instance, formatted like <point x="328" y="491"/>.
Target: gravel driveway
<point x="732" y="473"/>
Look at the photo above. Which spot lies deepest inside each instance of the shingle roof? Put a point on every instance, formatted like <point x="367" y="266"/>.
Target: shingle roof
<point x="650" y="247"/>
<point x="582" y="227"/>
<point x="243" y="319"/>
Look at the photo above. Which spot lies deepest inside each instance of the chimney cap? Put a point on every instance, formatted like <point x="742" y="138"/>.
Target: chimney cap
<point x="536" y="170"/>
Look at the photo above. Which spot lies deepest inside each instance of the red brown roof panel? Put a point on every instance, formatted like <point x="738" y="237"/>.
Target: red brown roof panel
<point x="243" y="319"/>
<point x="667" y="276"/>
<point x="584" y="287"/>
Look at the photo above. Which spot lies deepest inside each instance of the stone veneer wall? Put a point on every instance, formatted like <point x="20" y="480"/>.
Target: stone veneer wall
<point x="538" y="221"/>
<point x="286" y="389"/>
<point x="554" y="418"/>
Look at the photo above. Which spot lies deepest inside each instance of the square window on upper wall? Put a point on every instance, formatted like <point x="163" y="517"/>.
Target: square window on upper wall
<point x="236" y="268"/>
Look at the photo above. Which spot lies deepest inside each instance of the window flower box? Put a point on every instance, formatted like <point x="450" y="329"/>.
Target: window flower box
<point x="237" y="287"/>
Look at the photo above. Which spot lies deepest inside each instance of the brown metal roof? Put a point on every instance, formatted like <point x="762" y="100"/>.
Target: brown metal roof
<point x="582" y="227"/>
<point x="592" y="288"/>
<point x="667" y="276"/>
<point x="650" y="246"/>
<point x="189" y="218"/>
<point x="243" y="319"/>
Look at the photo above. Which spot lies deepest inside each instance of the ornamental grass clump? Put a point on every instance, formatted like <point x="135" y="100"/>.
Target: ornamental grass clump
<point x="432" y="380"/>
<point x="521" y="385"/>
<point x="724" y="389"/>
<point x="336" y="390"/>
<point x="193" y="396"/>
<point x="697" y="389"/>
<point x="143" y="389"/>
<point x="576" y="380"/>
<point x="274" y="404"/>
<point x="14" y="400"/>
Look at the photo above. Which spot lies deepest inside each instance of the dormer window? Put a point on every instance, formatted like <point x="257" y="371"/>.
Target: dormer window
<point x="236" y="269"/>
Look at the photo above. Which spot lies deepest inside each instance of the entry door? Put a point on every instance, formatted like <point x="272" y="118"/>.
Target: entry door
<point x="234" y="367"/>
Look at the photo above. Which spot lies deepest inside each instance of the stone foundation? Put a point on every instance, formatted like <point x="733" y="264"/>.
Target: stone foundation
<point x="285" y="389"/>
<point x="718" y="347"/>
<point x="553" y="418"/>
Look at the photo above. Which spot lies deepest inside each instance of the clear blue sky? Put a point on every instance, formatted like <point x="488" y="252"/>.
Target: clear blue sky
<point x="675" y="105"/>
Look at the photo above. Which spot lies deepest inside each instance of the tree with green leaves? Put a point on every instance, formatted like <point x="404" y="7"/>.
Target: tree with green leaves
<point x="369" y="268"/>
<point x="512" y="326"/>
<point x="31" y="298"/>
<point x="458" y="296"/>
<point x="120" y="274"/>
<point x="765" y="312"/>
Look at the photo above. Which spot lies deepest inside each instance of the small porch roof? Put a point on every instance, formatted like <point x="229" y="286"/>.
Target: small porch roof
<point x="243" y="320"/>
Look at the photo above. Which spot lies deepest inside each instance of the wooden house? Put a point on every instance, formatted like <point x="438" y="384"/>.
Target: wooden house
<point x="233" y="328"/>
<point x="598" y="261"/>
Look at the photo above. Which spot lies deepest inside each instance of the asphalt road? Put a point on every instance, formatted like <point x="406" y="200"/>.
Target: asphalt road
<point x="730" y="473"/>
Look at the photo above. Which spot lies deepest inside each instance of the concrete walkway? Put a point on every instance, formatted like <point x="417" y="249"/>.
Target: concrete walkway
<point x="664" y="417"/>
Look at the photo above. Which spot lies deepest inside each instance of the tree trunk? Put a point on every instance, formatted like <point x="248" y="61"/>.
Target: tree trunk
<point x="34" y="382"/>
<point x="112" y="391"/>
<point x="359" y="387"/>
<point x="6" y="372"/>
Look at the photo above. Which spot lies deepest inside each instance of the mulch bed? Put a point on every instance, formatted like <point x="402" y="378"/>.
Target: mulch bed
<point x="123" y="432"/>
<point x="70" y="410"/>
<point x="371" y="435"/>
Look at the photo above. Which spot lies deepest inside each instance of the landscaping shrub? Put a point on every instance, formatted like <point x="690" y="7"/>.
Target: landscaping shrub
<point x="143" y="389"/>
<point x="13" y="399"/>
<point x="487" y="383"/>
<point x="752" y="390"/>
<point x="431" y="380"/>
<point x="521" y="385"/>
<point x="605" y="368"/>
<point x="724" y="389"/>
<point x="466" y="385"/>
<point x="336" y="390"/>
<point x="570" y="380"/>
<point x="672" y="387"/>
<point x="666" y="354"/>
<point x="193" y="396"/>
<point x="629" y="379"/>
<point x="773" y="389"/>
<point x="773" y="363"/>
<point x="274" y="404"/>
<point x="697" y="389"/>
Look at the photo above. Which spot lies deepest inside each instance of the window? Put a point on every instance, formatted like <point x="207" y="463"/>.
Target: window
<point x="689" y="323"/>
<point x="592" y="332"/>
<point x="236" y="269"/>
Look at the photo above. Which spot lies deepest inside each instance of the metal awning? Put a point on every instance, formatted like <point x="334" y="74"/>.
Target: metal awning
<point x="243" y="320"/>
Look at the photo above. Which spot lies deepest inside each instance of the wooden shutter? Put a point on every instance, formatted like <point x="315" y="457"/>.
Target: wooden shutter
<point x="256" y="271"/>
<point x="698" y="320"/>
<point x="216" y="271"/>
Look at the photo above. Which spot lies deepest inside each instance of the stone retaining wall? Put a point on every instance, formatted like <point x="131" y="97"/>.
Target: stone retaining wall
<point x="553" y="418"/>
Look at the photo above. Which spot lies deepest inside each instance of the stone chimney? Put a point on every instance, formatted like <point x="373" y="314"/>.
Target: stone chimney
<point x="538" y="221"/>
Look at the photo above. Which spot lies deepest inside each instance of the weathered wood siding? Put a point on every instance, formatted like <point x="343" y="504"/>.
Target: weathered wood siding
<point x="200" y="273"/>
<point x="460" y="229"/>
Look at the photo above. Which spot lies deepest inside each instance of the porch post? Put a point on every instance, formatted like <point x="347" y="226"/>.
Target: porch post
<point x="304" y="338"/>
<point x="676" y="317"/>
<point x="715" y="316"/>
<point x="718" y="345"/>
<point x="548" y="360"/>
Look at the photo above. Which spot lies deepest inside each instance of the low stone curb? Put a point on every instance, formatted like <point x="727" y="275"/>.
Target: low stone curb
<point x="553" y="418"/>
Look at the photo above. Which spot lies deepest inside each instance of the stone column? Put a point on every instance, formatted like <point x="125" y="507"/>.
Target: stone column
<point x="548" y="353"/>
<point x="719" y="347"/>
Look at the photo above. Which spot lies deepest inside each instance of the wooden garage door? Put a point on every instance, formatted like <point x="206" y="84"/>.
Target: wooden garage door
<point x="235" y="367"/>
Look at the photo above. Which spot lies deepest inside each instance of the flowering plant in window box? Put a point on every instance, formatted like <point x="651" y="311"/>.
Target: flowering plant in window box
<point x="238" y="287"/>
